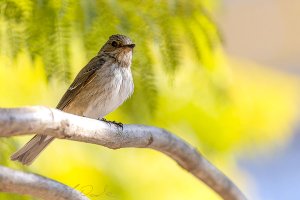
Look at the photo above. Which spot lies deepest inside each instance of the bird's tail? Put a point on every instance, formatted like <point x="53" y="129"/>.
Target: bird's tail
<point x="27" y="154"/>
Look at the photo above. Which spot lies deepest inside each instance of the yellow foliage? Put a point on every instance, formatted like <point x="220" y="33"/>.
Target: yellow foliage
<point x="23" y="82"/>
<point x="231" y="107"/>
<point x="265" y="101"/>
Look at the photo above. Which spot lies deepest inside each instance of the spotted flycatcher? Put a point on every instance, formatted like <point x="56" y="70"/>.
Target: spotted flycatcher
<point x="99" y="88"/>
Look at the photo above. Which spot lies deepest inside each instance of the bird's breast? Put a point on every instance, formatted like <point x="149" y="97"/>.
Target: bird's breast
<point x="111" y="87"/>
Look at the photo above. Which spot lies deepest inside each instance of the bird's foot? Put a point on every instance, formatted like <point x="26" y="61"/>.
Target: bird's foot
<point x="103" y="119"/>
<point x="118" y="124"/>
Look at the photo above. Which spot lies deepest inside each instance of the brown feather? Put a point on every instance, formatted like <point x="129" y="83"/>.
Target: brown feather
<point x="84" y="77"/>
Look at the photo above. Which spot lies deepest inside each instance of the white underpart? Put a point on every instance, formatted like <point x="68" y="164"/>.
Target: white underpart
<point x="115" y="92"/>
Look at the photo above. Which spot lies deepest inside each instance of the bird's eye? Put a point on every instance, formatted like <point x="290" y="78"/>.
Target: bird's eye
<point x="114" y="44"/>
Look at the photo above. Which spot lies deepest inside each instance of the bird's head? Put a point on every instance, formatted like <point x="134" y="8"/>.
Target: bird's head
<point x="120" y="47"/>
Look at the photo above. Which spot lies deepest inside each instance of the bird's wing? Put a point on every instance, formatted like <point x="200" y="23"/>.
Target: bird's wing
<point x="84" y="76"/>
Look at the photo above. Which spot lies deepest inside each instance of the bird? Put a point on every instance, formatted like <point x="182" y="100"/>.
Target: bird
<point x="98" y="89"/>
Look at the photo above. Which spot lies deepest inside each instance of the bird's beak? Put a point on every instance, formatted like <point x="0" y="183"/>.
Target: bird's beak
<point x="129" y="45"/>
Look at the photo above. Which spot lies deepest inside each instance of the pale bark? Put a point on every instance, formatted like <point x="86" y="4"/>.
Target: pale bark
<point x="14" y="181"/>
<point x="43" y="120"/>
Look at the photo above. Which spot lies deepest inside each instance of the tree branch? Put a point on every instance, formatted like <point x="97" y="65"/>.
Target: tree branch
<point x="38" y="186"/>
<point x="43" y="120"/>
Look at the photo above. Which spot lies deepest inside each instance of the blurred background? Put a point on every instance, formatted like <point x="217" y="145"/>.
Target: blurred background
<point x="222" y="75"/>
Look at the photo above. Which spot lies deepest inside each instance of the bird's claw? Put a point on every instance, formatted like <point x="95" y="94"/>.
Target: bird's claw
<point x="118" y="124"/>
